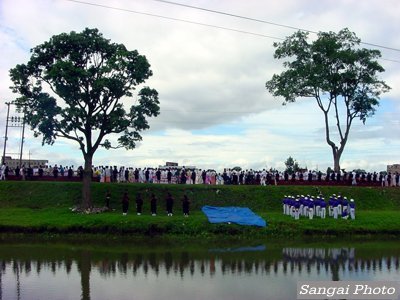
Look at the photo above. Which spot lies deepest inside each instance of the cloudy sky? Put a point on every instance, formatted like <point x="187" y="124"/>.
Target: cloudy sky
<point x="215" y="110"/>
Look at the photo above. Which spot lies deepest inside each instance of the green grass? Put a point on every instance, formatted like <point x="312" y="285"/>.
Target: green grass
<point x="44" y="207"/>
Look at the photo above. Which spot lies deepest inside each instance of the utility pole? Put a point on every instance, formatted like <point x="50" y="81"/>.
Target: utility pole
<point x="22" y="140"/>
<point x="17" y="122"/>
<point x="3" y="160"/>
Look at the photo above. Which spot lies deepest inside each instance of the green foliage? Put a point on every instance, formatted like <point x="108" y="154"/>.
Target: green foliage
<point x="291" y="165"/>
<point x="337" y="73"/>
<point x="331" y="64"/>
<point x="73" y="86"/>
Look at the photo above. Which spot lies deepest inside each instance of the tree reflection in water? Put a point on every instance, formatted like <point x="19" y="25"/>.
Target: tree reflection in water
<point x="270" y="262"/>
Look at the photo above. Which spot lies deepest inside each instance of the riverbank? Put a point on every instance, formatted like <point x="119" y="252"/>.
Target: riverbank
<point x="44" y="208"/>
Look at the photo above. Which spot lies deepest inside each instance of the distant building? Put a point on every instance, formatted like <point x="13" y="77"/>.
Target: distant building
<point x="173" y="165"/>
<point x="393" y="168"/>
<point x="13" y="163"/>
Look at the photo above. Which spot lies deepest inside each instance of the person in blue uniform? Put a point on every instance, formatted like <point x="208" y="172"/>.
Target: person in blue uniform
<point x="335" y="208"/>
<point x="317" y="206"/>
<point x="296" y="206"/>
<point x="330" y="207"/>
<point x="322" y="203"/>
<point x="352" y="206"/>
<point x="284" y="204"/>
<point x="139" y="204"/>
<point x="345" y="204"/>
<point x="310" y="208"/>
<point x="345" y="214"/>
<point x="185" y="205"/>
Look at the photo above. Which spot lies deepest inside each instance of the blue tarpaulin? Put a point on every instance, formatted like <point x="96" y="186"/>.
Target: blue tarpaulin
<point x="232" y="214"/>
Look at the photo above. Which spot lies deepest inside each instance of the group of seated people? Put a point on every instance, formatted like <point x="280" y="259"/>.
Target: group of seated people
<point x="310" y="206"/>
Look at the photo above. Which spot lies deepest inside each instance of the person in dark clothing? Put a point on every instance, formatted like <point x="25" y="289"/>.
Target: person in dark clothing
<point x="158" y="175"/>
<point x="309" y="176"/>
<point x="70" y="173"/>
<point x="139" y="204"/>
<point x="55" y="171"/>
<point x="193" y="177"/>
<point x="185" y="205"/>
<point x="80" y="172"/>
<point x="277" y="178"/>
<point x="170" y="204"/>
<point x="286" y="176"/>
<point x="183" y="176"/>
<point x="6" y="171"/>
<point x="204" y="176"/>
<point x="153" y="205"/>
<point x="177" y="176"/>
<point x="125" y="203"/>
<point x="126" y="175"/>
<point x="30" y="172"/>
<point x="115" y="174"/>
<point x="169" y="176"/>
<point x="17" y="170"/>
<point x="108" y="198"/>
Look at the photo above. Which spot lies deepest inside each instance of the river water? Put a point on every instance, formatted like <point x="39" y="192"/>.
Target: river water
<point x="155" y="270"/>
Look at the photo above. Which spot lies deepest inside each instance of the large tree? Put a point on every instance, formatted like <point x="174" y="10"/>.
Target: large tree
<point x="75" y="86"/>
<point x="334" y="70"/>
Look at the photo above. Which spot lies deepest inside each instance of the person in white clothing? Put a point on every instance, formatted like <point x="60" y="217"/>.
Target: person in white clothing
<point x="3" y="172"/>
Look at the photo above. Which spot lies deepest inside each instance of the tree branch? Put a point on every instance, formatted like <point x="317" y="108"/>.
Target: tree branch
<point x="338" y="119"/>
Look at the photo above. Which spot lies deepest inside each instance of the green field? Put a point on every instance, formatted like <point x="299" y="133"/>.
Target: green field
<point x="44" y="207"/>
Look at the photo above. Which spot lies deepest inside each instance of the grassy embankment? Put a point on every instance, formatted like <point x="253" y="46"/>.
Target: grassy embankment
<point x="43" y="207"/>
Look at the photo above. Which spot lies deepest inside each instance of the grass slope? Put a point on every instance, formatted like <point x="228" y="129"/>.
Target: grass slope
<point x="43" y="207"/>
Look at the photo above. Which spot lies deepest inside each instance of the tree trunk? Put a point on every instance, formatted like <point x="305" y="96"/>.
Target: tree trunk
<point x="336" y="161"/>
<point x="86" y="184"/>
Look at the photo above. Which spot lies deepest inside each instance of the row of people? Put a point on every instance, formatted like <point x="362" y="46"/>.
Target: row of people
<point x="199" y="176"/>
<point x="169" y="204"/>
<point x="310" y="206"/>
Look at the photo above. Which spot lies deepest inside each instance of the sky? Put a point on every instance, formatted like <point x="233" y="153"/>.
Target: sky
<point x="215" y="111"/>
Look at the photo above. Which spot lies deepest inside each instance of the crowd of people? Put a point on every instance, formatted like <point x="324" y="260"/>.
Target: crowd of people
<point x="182" y="175"/>
<point x="310" y="207"/>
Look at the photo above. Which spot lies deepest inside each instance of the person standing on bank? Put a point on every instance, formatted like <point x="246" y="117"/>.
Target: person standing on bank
<point x="139" y="204"/>
<point x="170" y="204"/>
<point x="153" y="205"/>
<point x="125" y="203"/>
<point x="193" y="177"/>
<point x="185" y="206"/>
<point x="108" y="198"/>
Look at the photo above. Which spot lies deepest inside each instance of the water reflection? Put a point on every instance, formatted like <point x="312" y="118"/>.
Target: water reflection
<point x="21" y="269"/>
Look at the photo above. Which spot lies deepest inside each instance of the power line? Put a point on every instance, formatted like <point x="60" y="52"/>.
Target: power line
<point x="216" y="26"/>
<point x="262" y="21"/>
<point x="176" y="19"/>
<point x="236" y="16"/>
